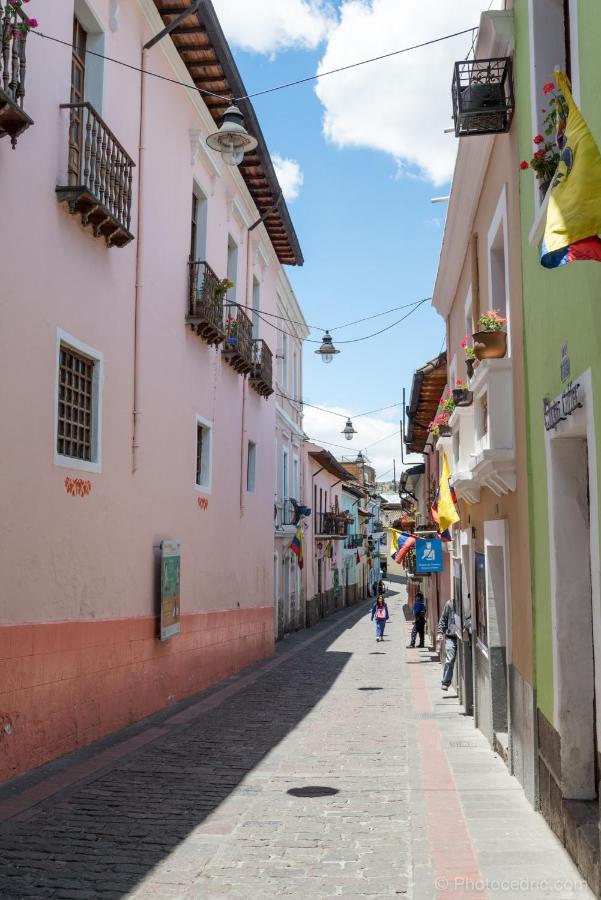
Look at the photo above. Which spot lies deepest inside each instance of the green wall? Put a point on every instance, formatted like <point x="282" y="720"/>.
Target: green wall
<point x="559" y="305"/>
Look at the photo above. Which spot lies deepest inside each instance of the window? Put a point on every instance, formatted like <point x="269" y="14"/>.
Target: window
<point x="251" y="467"/>
<point x="295" y="479"/>
<point x="497" y="243"/>
<point x="295" y="374"/>
<point x="78" y="404"/>
<point x="198" y="225"/>
<point x="232" y="268"/>
<point x="87" y="64"/>
<point x="256" y="301"/>
<point x="285" y="475"/>
<point x="78" y="77"/>
<point x="284" y="361"/>
<point x="203" y="453"/>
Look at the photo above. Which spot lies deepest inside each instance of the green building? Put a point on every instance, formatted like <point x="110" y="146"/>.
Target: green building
<point x="562" y="347"/>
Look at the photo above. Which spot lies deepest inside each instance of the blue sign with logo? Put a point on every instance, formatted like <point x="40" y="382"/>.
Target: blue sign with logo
<point x="428" y="556"/>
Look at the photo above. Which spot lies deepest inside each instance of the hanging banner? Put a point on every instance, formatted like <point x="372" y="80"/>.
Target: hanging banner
<point x="170" y="580"/>
<point x="428" y="556"/>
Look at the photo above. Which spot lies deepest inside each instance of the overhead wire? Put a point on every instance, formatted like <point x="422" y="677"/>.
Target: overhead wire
<point x="271" y="90"/>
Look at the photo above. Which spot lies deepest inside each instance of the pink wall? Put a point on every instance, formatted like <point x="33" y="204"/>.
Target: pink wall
<point x="71" y="559"/>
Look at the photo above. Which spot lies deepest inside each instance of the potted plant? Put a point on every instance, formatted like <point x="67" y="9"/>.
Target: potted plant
<point x="439" y="426"/>
<point x="447" y="402"/>
<point x="546" y="157"/>
<point x="470" y="355"/>
<point x="461" y="395"/>
<point x="231" y="328"/>
<point x="490" y="341"/>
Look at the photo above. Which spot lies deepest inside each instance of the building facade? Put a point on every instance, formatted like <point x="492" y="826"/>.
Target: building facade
<point x="145" y="413"/>
<point x="561" y="326"/>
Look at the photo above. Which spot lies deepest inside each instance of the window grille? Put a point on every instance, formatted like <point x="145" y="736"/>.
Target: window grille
<point x="75" y="404"/>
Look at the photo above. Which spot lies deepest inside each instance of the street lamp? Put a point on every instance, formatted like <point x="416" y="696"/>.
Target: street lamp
<point x="232" y="140"/>
<point x="327" y="349"/>
<point x="348" y="431"/>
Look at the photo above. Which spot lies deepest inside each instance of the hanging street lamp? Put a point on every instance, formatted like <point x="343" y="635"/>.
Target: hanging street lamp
<point x="348" y="431"/>
<point x="232" y="140"/>
<point x="327" y="350"/>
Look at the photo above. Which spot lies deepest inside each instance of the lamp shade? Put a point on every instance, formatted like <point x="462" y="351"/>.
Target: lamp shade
<point x="232" y="139"/>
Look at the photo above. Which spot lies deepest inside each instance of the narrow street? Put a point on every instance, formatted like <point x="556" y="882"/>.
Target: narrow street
<point x="334" y="769"/>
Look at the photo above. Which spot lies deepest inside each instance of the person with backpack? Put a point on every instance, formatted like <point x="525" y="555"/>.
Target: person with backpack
<point x="419" y="620"/>
<point x="379" y="612"/>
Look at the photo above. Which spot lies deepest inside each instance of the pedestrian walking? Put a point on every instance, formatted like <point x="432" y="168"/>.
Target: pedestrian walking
<point x="379" y="612"/>
<point x="447" y="630"/>
<point x="419" y="620"/>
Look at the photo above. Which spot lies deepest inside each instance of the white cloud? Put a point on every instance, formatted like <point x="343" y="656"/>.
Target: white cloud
<point x="268" y="26"/>
<point x="289" y="175"/>
<point x="323" y="426"/>
<point x="399" y="105"/>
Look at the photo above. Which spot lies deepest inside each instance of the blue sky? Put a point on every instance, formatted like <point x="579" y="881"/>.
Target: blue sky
<point x="369" y="233"/>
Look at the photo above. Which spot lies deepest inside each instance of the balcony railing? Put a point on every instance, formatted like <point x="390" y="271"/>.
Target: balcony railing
<point x="14" y="26"/>
<point x="205" y="303"/>
<point x="99" y="176"/>
<point x="238" y="345"/>
<point x="330" y="525"/>
<point x="354" y="541"/>
<point x="285" y="513"/>
<point x="261" y="376"/>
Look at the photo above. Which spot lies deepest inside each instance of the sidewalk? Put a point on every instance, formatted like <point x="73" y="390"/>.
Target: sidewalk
<point x="336" y="768"/>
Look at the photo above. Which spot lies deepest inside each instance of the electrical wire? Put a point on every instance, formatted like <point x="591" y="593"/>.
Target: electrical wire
<point x="362" y="62"/>
<point x="279" y="87"/>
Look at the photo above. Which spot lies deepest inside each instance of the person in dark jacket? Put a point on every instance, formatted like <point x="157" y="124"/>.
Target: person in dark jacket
<point x="379" y="612"/>
<point x="447" y="630"/>
<point x="419" y="620"/>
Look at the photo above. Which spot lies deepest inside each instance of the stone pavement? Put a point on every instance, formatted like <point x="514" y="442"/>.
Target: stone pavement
<point x="336" y="768"/>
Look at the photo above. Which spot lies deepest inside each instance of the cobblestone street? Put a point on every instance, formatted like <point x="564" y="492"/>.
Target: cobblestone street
<point x="336" y="768"/>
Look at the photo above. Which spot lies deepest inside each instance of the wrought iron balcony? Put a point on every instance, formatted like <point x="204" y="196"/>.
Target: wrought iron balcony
<point x="261" y="378"/>
<point x="354" y="541"/>
<point x="483" y="99"/>
<point x="14" y="26"/>
<point x="205" y="303"/>
<point x="99" y="176"/>
<point x="238" y="345"/>
<point x="330" y="524"/>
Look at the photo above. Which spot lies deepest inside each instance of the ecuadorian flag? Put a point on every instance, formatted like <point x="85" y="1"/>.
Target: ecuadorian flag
<point x="297" y="546"/>
<point x="574" y="212"/>
<point x="401" y="544"/>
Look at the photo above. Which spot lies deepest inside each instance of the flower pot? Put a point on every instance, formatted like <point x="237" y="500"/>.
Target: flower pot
<point x="469" y="365"/>
<point x="462" y="398"/>
<point x="444" y="431"/>
<point x="233" y="340"/>
<point x="490" y="344"/>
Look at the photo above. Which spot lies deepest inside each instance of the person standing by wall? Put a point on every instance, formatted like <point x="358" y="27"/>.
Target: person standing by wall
<point x="447" y="629"/>
<point x="419" y="620"/>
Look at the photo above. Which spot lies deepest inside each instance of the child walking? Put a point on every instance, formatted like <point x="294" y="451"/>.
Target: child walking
<point x="379" y="612"/>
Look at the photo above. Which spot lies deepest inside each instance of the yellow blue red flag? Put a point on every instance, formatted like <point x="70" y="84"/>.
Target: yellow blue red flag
<point x="297" y="546"/>
<point x="574" y="211"/>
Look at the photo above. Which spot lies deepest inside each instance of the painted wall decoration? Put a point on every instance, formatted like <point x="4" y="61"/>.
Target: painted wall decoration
<point x="203" y="502"/>
<point x="78" y="487"/>
<point x="170" y="588"/>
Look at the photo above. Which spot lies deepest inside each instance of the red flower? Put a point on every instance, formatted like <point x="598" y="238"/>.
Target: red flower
<point x="548" y="87"/>
<point x="524" y="164"/>
<point x="538" y="139"/>
<point x="33" y="23"/>
<point x="539" y="154"/>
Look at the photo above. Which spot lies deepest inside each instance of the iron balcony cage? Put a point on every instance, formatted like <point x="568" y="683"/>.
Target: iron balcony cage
<point x="483" y="98"/>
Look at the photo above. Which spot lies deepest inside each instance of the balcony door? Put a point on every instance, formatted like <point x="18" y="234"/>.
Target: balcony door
<point x="78" y="81"/>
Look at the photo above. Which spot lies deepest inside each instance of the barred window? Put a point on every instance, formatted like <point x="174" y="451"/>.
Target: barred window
<point x="75" y="436"/>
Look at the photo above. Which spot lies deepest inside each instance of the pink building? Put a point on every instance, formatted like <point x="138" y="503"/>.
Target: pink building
<point x="137" y="404"/>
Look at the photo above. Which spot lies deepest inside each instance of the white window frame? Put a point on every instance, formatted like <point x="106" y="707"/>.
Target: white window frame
<point x="296" y="477"/>
<point x="71" y="462"/>
<point x="232" y="245"/>
<point x="536" y="30"/>
<point x="285" y="473"/>
<point x="469" y="314"/>
<point x="95" y="42"/>
<point x="205" y="487"/>
<point x="499" y="223"/>
<point x="285" y="362"/>
<point x="251" y="467"/>
<point x="200" y="194"/>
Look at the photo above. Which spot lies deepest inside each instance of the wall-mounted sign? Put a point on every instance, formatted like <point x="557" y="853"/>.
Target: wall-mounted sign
<point x="428" y="556"/>
<point x="558" y="410"/>
<point x="170" y="577"/>
<point x="564" y="368"/>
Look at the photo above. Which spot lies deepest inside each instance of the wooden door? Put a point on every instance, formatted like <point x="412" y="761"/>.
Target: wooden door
<point x="78" y="77"/>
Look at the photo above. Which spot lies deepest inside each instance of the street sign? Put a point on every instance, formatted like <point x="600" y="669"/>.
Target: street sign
<point x="170" y="581"/>
<point x="428" y="556"/>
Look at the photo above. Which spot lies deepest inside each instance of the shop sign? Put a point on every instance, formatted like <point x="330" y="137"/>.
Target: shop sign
<point x="428" y="556"/>
<point x="170" y="587"/>
<point x="558" y="410"/>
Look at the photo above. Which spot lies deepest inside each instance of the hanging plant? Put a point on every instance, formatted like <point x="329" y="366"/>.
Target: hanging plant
<point x="545" y="158"/>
